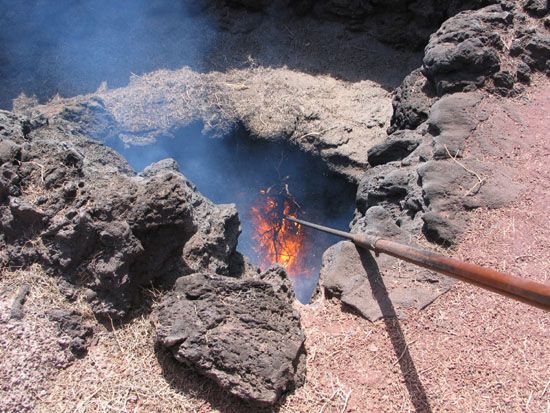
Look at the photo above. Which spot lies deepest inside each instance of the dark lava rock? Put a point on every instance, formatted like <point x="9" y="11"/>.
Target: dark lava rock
<point x="431" y="188"/>
<point x="451" y="121"/>
<point x="381" y="287"/>
<point x="412" y="101"/>
<point x="398" y="146"/>
<point x="77" y="208"/>
<point x="9" y="151"/>
<point x="449" y="185"/>
<point x="533" y="46"/>
<point x="383" y="186"/>
<point x="465" y="50"/>
<point x="72" y="324"/>
<point x="504" y="82"/>
<point x="278" y="278"/>
<point x="523" y="72"/>
<point x="538" y="8"/>
<point x="243" y="334"/>
<point x="355" y="277"/>
<point x="442" y="230"/>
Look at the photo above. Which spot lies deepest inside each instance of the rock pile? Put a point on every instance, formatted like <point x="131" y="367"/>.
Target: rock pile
<point x="420" y="182"/>
<point x="469" y="51"/>
<point x="74" y="206"/>
<point x="418" y="172"/>
<point x="77" y="208"/>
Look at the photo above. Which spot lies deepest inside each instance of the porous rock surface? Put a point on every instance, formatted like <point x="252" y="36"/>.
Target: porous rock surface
<point x="242" y="333"/>
<point x="74" y="206"/>
<point x="72" y="325"/>
<point x="496" y="47"/>
<point x="434" y="183"/>
<point x="425" y="177"/>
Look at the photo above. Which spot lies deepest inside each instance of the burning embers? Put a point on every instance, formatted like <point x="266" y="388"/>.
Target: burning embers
<point x="278" y="240"/>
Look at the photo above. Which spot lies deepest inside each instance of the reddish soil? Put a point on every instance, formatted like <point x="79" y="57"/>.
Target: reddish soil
<point x="471" y="350"/>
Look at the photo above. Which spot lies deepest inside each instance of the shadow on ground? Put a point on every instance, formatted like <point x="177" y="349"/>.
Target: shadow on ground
<point x="415" y="388"/>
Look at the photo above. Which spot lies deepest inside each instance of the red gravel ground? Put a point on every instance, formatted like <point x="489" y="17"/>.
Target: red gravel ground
<point x="471" y="350"/>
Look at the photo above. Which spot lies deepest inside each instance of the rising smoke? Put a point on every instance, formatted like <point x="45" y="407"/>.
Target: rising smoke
<point x="69" y="47"/>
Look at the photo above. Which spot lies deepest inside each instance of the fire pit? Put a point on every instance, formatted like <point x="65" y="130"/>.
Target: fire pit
<point x="266" y="180"/>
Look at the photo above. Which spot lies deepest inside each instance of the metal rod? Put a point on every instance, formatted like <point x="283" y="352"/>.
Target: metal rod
<point x="530" y="292"/>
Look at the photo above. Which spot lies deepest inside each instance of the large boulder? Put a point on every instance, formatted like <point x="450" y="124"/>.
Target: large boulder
<point x="244" y="334"/>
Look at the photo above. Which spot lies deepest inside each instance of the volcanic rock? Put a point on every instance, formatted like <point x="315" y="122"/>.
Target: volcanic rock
<point x="450" y="185"/>
<point x="77" y="208"/>
<point x="412" y="183"/>
<point x="355" y="277"/>
<point x="162" y="166"/>
<point x="278" y="278"/>
<point x="381" y="287"/>
<point x="533" y="46"/>
<point x="440" y="229"/>
<point x="384" y="185"/>
<point x="244" y="334"/>
<point x="451" y="121"/>
<point x="465" y="50"/>
<point x="398" y="146"/>
<point x="523" y="73"/>
<point x="71" y="323"/>
<point x="412" y="101"/>
<point x="427" y="190"/>
<point x="537" y="8"/>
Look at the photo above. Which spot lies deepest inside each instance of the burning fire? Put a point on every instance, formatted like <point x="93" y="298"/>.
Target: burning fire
<point x="278" y="240"/>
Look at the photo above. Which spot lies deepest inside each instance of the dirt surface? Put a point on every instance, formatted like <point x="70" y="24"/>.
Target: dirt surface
<point x="280" y="78"/>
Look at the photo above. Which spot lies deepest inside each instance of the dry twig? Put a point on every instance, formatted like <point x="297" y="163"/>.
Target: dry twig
<point x="480" y="180"/>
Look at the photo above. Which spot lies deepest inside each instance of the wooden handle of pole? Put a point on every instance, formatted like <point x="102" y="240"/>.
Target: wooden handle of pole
<point x="530" y="292"/>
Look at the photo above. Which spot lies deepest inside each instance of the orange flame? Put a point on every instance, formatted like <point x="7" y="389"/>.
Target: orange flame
<point x="278" y="240"/>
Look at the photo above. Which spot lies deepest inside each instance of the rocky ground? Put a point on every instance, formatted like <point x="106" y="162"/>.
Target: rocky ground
<point x="126" y="291"/>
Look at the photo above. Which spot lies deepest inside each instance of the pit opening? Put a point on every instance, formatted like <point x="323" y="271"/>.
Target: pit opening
<point x="251" y="173"/>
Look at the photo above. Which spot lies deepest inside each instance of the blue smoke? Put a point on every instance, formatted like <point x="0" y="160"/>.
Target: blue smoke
<point x="70" y="46"/>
